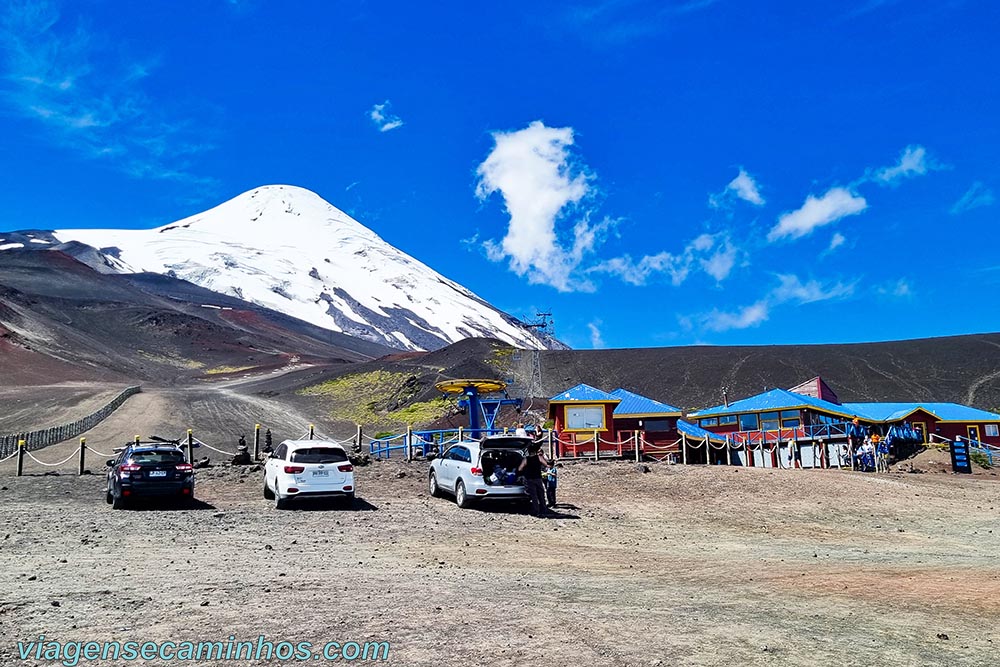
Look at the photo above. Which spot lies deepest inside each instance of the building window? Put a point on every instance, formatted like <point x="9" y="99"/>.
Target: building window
<point x="748" y="422"/>
<point x="790" y="419"/>
<point x="585" y="418"/>
<point x="658" y="425"/>
<point x="712" y="421"/>
<point x="992" y="430"/>
<point x="726" y="420"/>
<point x="769" y="421"/>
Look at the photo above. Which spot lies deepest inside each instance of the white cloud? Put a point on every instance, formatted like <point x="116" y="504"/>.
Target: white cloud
<point x="790" y="289"/>
<point x="749" y="316"/>
<point x="596" y="340"/>
<point x="913" y="161"/>
<point x="976" y="196"/>
<point x="383" y="118"/>
<point x="900" y="289"/>
<point x="742" y="187"/>
<point x="534" y="172"/>
<point x="835" y="204"/>
<point x="836" y="241"/>
<point x="793" y="289"/>
<point x="715" y="254"/>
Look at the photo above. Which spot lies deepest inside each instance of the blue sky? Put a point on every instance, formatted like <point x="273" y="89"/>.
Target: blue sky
<point x="654" y="173"/>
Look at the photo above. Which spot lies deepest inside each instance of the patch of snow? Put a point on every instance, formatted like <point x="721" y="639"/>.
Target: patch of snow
<point x="208" y="305"/>
<point x="41" y="241"/>
<point x="11" y="246"/>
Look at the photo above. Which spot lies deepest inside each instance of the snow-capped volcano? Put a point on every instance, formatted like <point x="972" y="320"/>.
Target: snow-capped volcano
<point x="286" y="248"/>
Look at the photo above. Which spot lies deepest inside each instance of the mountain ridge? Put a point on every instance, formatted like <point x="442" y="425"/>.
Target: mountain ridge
<point x="285" y="248"/>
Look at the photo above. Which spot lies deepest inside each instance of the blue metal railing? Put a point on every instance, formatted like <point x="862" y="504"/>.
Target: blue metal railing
<point x="985" y="449"/>
<point x="423" y="442"/>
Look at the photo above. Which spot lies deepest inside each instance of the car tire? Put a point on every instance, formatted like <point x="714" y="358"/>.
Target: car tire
<point x="349" y="501"/>
<point x="108" y="497"/>
<point x="462" y="498"/>
<point x="117" y="502"/>
<point x="432" y="486"/>
<point x="280" y="503"/>
<point x="268" y="493"/>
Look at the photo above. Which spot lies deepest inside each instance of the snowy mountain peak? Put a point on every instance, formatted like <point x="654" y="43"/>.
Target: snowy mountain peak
<point x="286" y="248"/>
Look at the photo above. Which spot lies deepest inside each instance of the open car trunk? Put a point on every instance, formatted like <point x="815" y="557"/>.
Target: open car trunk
<point x="500" y="466"/>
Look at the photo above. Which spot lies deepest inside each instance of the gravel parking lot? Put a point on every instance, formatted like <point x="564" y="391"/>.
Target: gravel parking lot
<point x="677" y="566"/>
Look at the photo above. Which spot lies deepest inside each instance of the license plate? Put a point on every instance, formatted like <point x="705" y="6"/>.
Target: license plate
<point x="157" y="473"/>
<point x="321" y="473"/>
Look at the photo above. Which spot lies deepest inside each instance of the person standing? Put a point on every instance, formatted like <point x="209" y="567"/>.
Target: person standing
<point x="531" y="469"/>
<point x="551" y="478"/>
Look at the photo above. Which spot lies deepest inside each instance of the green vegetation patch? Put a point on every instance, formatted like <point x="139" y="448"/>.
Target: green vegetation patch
<point x="219" y="370"/>
<point x="377" y="398"/>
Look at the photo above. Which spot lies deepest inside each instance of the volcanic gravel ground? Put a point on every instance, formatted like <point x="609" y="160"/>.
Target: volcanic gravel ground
<point x="677" y="566"/>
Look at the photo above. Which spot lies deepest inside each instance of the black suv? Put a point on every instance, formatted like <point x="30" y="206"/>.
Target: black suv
<point x="149" y="469"/>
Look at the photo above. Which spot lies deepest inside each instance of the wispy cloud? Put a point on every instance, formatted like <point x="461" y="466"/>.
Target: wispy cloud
<point x="790" y="289"/>
<point x="742" y="187"/>
<point x="913" y="161"/>
<point x="596" y="340"/>
<point x="383" y="117"/>
<point x="836" y="241"/>
<point x="899" y="289"/>
<point x="834" y="204"/>
<point x="715" y="254"/>
<point x="617" y="21"/>
<point x="87" y="99"/>
<point x="975" y="197"/>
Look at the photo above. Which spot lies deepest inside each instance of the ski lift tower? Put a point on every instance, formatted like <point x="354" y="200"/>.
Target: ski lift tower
<point x="481" y="398"/>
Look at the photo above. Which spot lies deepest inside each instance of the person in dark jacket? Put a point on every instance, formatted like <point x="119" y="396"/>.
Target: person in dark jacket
<point x="531" y="469"/>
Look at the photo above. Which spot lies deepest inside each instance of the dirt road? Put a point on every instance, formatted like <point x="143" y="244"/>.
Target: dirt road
<point x="679" y="566"/>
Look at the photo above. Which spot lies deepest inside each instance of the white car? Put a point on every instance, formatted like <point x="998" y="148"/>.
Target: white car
<point x="308" y="469"/>
<point x="484" y="470"/>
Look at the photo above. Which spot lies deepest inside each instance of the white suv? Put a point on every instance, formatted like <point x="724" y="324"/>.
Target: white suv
<point x="308" y="469"/>
<point x="483" y="470"/>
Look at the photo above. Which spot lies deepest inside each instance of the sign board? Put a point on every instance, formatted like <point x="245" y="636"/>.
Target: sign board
<point x="960" y="461"/>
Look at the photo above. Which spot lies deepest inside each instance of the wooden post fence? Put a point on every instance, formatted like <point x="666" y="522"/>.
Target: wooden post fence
<point x="256" y="441"/>
<point x="684" y="448"/>
<point x="597" y="447"/>
<point x="190" y="446"/>
<point x="20" y="457"/>
<point x="83" y="456"/>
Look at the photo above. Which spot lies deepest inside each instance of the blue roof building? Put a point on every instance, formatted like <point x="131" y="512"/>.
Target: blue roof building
<point x="638" y="406"/>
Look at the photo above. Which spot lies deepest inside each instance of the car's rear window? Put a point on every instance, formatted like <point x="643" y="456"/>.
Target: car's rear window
<point x="319" y="455"/>
<point x="158" y="456"/>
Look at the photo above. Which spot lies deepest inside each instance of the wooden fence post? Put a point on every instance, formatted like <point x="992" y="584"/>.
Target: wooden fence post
<point x="83" y="455"/>
<point x="597" y="447"/>
<point x="553" y="454"/>
<point x="461" y="434"/>
<point x="638" y="454"/>
<point x="357" y="439"/>
<point x="408" y="444"/>
<point x="20" y="457"/>
<point x="256" y="441"/>
<point x="684" y="448"/>
<point x="190" y="446"/>
<point x="708" y="451"/>
<point x="312" y="431"/>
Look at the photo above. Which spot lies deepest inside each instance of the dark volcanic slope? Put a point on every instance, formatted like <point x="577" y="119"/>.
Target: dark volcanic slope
<point x="60" y="319"/>
<point x="962" y="369"/>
